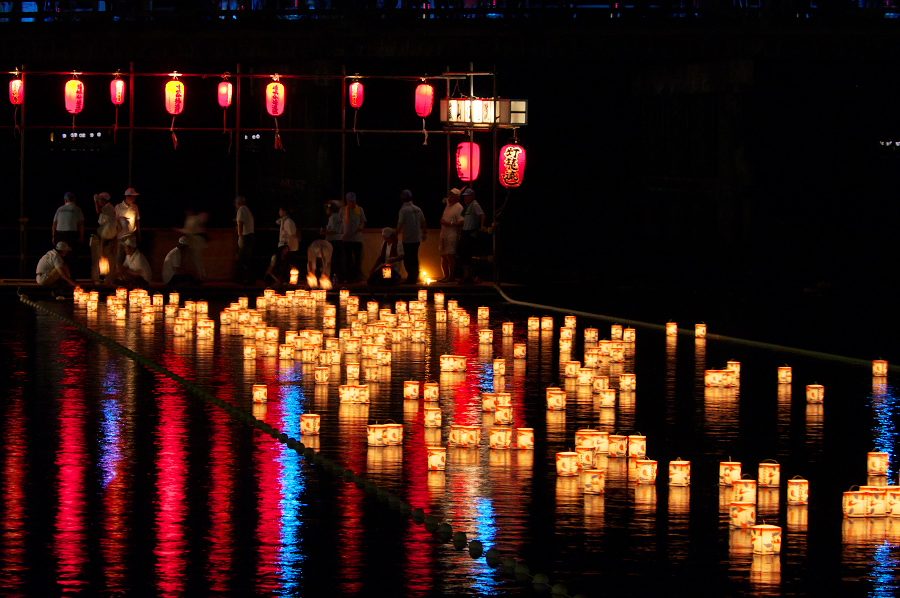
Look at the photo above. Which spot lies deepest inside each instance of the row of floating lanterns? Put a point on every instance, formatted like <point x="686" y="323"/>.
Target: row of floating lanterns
<point x="878" y="498"/>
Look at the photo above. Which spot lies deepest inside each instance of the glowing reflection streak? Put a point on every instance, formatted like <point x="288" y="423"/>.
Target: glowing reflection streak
<point x="292" y="486"/>
<point x="884" y="570"/>
<point x="485" y="581"/>
<point x="884" y="427"/>
<point x="13" y="529"/>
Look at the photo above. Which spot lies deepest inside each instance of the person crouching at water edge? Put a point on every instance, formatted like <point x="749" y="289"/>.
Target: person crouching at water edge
<point x="179" y="267"/>
<point x="134" y="272"/>
<point x="386" y="270"/>
<point x="318" y="264"/>
<point x="52" y="271"/>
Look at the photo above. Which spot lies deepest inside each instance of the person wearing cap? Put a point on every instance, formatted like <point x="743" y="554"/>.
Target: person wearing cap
<point x="391" y="256"/>
<point x="128" y="220"/>
<point x="135" y="270"/>
<point x="103" y="243"/>
<point x="287" y="233"/>
<point x="246" y="238"/>
<point x="412" y="230"/>
<point x="68" y="222"/>
<point x="451" y="223"/>
<point x="52" y="270"/>
<point x="353" y="220"/>
<point x="473" y="225"/>
<point x="179" y="268"/>
<point x="333" y="230"/>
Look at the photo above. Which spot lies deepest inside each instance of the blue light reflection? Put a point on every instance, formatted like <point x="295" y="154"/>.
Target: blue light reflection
<point x="884" y="571"/>
<point x="293" y="484"/>
<point x="884" y="426"/>
<point x="485" y="582"/>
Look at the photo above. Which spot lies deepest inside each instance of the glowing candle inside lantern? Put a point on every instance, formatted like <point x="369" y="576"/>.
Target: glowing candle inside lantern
<point x="785" y="374"/>
<point x="411" y="389"/>
<point x="769" y="475"/>
<point x="700" y="330"/>
<point x="260" y="393"/>
<point x="877" y="464"/>
<point x="879" y="368"/>
<point x="729" y="471"/>
<point x="765" y="539"/>
<point x="815" y="394"/>
<point x="671" y="329"/>
<point x="679" y="473"/>
<point x="525" y="438"/>
<point x="431" y="391"/>
<point x="310" y="423"/>
<point x="798" y="491"/>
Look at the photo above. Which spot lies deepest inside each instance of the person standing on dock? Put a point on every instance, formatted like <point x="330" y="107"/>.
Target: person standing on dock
<point x="473" y="225"/>
<point x="411" y="227"/>
<point x="451" y="222"/>
<point x="128" y="218"/>
<point x="68" y="222"/>
<point x="288" y="233"/>
<point x="246" y="238"/>
<point x="103" y="244"/>
<point x="352" y="222"/>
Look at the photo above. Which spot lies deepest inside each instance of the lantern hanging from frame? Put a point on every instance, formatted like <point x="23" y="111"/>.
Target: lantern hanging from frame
<point x="117" y="97"/>
<point x="224" y="93"/>
<point x="275" y="100"/>
<point x="356" y="95"/>
<point x="74" y="96"/>
<point x="17" y="94"/>
<point x="175" y="96"/>
<point x="512" y="165"/>
<point x="468" y="161"/>
<point x="424" y="104"/>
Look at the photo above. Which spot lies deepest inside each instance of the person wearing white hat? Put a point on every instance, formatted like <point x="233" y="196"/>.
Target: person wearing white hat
<point x="135" y="270"/>
<point x="52" y="270"/>
<point x="391" y="257"/>
<point x="128" y="220"/>
<point x="451" y="223"/>
<point x="179" y="269"/>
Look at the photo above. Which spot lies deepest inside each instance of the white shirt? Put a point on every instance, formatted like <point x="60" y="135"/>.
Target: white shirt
<point x="246" y="218"/>
<point x="410" y="223"/>
<point x="171" y="264"/>
<point x="136" y="262"/>
<point x="127" y="217"/>
<point x="334" y="227"/>
<point x="107" y="222"/>
<point x="68" y="218"/>
<point x="49" y="267"/>
<point x="452" y="214"/>
<point x="287" y="233"/>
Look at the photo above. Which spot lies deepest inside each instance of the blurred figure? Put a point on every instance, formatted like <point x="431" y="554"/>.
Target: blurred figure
<point x="473" y="225"/>
<point x="179" y="267"/>
<point x="333" y="231"/>
<point x="391" y="257"/>
<point x="103" y="244"/>
<point x="135" y="271"/>
<point x="195" y="232"/>
<point x="128" y="221"/>
<point x="451" y="223"/>
<point x="318" y="261"/>
<point x="411" y="228"/>
<point x="246" y="238"/>
<point x="353" y="221"/>
<point x="279" y="270"/>
<point x="52" y="271"/>
<point x="288" y="233"/>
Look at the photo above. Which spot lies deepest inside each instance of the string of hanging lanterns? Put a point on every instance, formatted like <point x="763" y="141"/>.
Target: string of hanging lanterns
<point x="511" y="160"/>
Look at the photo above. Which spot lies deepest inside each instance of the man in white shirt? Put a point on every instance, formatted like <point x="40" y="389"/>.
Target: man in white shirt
<point x="391" y="256"/>
<point x="451" y="223"/>
<point x="68" y="222"/>
<point x="135" y="270"/>
<point x="103" y="245"/>
<point x="246" y="238"/>
<point x="412" y="230"/>
<point x="287" y="233"/>
<point x="128" y="221"/>
<point x="52" y="270"/>
<point x="473" y="225"/>
<point x="178" y="267"/>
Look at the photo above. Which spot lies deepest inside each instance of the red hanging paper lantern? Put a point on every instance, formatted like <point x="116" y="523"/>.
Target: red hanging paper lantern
<point x="224" y="93"/>
<point x="175" y="97"/>
<point x="275" y="98"/>
<point x="468" y="161"/>
<point x="17" y="92"/>
<point x="74" y="96"/>
<point x="357" y="95"/>
<point x="117" y="92"/>
<point x="424" y="99"/>
<point x="512" y="165"/>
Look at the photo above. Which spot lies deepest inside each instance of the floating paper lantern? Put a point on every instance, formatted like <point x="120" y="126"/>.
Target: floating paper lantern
<point x="321" y="374"/>
<point x="646" y="471"/>
<point x="785" y="374"/>
<point x="877" y="464"/>
<point x="815" y="394"/>
<point x="249" y="351"/>
<point x="593" y="481"/>
<point x="556" y="399"/>
<point x="503" y="415"/>
<point x="376" y="435"/>
<point x="147" y="317"/>
<point x="353" y="393"/>
<point x="769" y="475"/>
<point x="744" y="490"/>
<point x="584" y="377"/>
<point x="485" y="336"/>
<point x="679" y="473"/>
<point x="879" y="368"/>
<point x="309" y="424"/>
<point x="500" y="437"/>
<point x="453" y="363"/>
<point x="393" y="434"/>
<point x="16" y="91"/>
<point x="606" y="397"/>
<point x="424" y="100"/>
<point x="270" y="348"/>
<point x="499" y="367"/>
<point x="797" y="491"/>
<point x="734" y="366"/>
<point x="525" y="438"/>
<point x="765" y="539"/>
<point x="566" y="333"/>
<point x="729" y="471"/>
<point x="488" y="402"/>
<point x="741" y="514"/>
<point x="587" y="438"/>
<point x="437" y="458"/>
<point x="260" y="393"/>
<point x="892" y="498"/>
<point x="615" y="332"/>
<point x="627" y="382"/>
<point x="74" y="96"/>
<point x="464" y="436"/>
<point x="700" y="330"/>
<point x="286" y="351"/>
<point x="591" y="335"/>
<point x="431" y="391"/>
<point x="875" y="500"/>
<point x="671" y="329"/>
<point x="618" y="445"/>
<point x="547" y="323"/>
<point x="637" y="446"/>
<point x="629" y="335"/>
<point x="616" y="353"/>
<point x="432" y="417"/>
<point x="411" y="389"/>
<point x="533" y="323"/>
<point x="567" y="463"/>
<point x="174" y="94"/>
<point x="853" y="503"/>
<point x="600" y="383"/>
<point x="519" y="350"/>
<point x="565" y="345"/>
<point x="570" y="368"/>
<point x="585" y="457"/>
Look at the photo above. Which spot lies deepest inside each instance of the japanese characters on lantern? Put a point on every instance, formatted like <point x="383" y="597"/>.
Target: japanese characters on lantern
<point x="275" y="97"/>
<point x="74" y="96"/>
<point x="512" y="165"/>
<point x="117" y="92"/>
<point x="175" y="92"/>
<point x="357" y="94"/>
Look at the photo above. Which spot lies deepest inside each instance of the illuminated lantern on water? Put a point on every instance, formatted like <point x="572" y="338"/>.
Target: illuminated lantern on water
<point x="468" y="161"/>
<point x="879" y="368"/>
<point x="765" y="539"/>
<point x="117" y="92"/>
<point x="424" y="100"/>
<point x="74" y="96"/>
<point x="797" y="491"/>
<point x="356" y="94"/>
<point x="512" y="165"/>
<point x="17" y="92"/>
<point x="878" y="463"/>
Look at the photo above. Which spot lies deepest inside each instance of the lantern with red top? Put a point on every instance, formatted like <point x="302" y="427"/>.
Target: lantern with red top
<point x="174" y="94"/>
<point x="275" y="100"/>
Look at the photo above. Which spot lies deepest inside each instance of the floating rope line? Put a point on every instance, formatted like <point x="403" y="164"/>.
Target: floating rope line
<point x="441" y="529"/>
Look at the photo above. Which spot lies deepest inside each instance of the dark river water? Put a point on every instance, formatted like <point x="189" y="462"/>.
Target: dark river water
<point x="116" y="480"/>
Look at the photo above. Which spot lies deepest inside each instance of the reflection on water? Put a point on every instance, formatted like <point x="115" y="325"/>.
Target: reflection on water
<point x="152" y="487"/>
